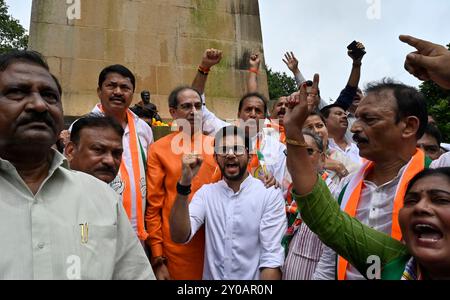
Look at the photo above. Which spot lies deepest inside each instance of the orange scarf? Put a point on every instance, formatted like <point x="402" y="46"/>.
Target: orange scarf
<point x="352" y="196"/>
<point x="139" y="179"/>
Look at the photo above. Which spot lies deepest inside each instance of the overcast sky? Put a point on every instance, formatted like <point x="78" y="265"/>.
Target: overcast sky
<point x="318" y="32"/>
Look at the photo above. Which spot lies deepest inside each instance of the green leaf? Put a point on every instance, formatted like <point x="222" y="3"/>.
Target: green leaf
<point x="280" y="84"/>
<point x="12" y="34"/>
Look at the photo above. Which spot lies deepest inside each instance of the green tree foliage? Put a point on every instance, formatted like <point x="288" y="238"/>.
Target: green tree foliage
<point x="12" y="34"/>
<point x="280" y="84"/>
<point x="438" y="101"/>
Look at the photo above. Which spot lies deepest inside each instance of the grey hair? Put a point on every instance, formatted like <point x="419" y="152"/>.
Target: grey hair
<point x="317" y="139"/>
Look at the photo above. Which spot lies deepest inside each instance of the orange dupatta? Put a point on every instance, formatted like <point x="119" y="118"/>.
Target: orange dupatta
<point x="138" y="170"/>
<point x="352" y="196"/>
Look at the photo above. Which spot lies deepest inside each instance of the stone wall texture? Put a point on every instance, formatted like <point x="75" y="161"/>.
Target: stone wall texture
<point x="161" y="41"/>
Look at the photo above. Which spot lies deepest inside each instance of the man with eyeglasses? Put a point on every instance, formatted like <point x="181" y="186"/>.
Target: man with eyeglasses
<point x="243" y="232"/>
<point x="171" y="260"/>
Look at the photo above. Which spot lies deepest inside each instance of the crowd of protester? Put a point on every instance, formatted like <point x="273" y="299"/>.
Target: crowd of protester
<point x="294" y="188"/>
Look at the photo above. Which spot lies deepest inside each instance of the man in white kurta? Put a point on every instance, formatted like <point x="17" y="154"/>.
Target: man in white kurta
<point x="244" y="221"/>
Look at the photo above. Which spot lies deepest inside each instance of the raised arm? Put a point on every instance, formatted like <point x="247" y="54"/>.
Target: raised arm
<point x="252" y="81"/>
<point x="210" y="58"/>
<point x="180" y="224"/>
<point x="347" y="95"/>
<point x="292" y="63"/>
<point x="430" y="61"/>
<point x="299" y="106"/>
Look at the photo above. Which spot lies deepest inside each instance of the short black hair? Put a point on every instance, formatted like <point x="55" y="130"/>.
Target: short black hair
<point x="13" y="56"/>
<point x="428" y="172"/>
<point x="327" y="109"/>
<point x="119" y="69"/>
<point x="434" y="132"/>
<point x="250" y="95"/>
<point x="234" y="131"/>
<point x="410" y="102"/>
<point x="29" y="56"/>
<point x="94" y="120"/>
<point x="319" y="114"/>
<point x="173" y="97"/>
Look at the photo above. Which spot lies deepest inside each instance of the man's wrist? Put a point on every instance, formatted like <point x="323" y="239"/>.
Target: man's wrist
<point x="357" y="64"/>
<point x="156" y="262"/>
<point x="204" y="70"/>
<point x="293" y="133"/>
<point x="183" y="187"/>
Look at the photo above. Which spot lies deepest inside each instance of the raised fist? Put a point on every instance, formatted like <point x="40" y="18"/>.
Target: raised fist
<point x="255" y="61"/>
<point x="210" y="58"/>
<point x="357" y="56"/>
<point x="191" y="164"/>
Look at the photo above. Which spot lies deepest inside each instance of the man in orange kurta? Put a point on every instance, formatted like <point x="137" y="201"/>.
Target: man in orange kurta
<point x="171" y="260"/>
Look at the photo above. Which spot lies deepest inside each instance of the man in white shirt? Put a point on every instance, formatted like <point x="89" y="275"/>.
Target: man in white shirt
<point x="337" y="124"/>
<point x="116" y="86"/>
<point x="243" y="231"/>
<point x="390" y="120"/>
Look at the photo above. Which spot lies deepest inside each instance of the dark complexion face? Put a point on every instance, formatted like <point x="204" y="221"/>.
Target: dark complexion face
<point x="116" y="93"/>
<point x="30" y="106"/>
<point x="376" y="132"/>
<point x="98" y="153"/>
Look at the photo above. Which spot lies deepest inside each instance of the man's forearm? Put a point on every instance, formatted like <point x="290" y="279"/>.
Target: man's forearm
<point x="252" y="82"/>
<point x="299" y="78"/>
<point x="180" y="224"/>
<point x="199" y="82"/>
<point x="271" y="274"/>
<point x="355" y="75"/>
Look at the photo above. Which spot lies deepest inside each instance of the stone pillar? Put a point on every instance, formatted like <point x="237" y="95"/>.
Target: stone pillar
<point x="161" y="41"/>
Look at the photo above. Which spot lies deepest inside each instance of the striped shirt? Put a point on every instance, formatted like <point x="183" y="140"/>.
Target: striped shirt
<point x="305" y="251"/>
